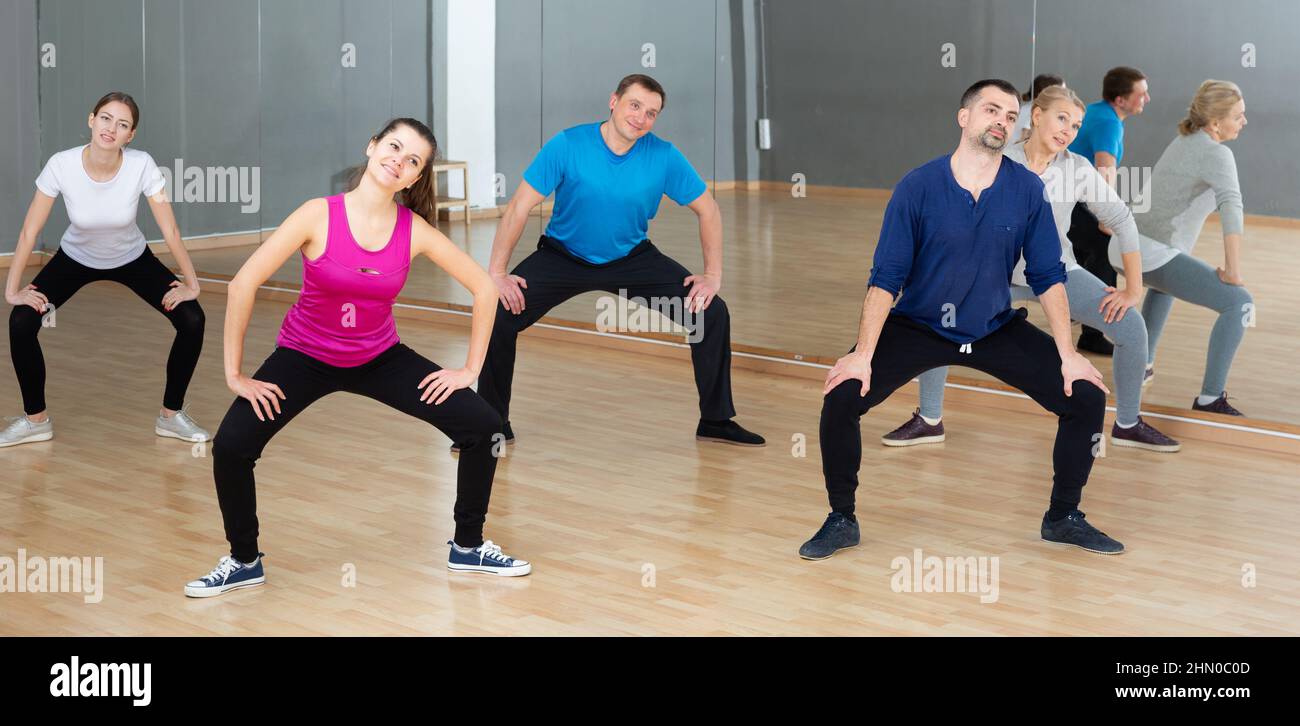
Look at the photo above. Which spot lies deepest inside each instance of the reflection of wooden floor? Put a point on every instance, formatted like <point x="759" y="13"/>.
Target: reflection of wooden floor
<point x="795" y="270"/>
<point x="633" y="527"/>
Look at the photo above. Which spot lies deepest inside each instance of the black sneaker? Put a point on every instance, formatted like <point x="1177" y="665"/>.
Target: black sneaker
<point x="1219" y="405"/>
<point x="1094" y="342"/>
<point x="1142" y="436"/>
<point x="915" y="431"/>
<point x="1148" y="376"/>
<point x="1074" y="530"/>
<point x="727" y="432"/>
<point x="839" y="532"/>
<point x="510" y="439"/>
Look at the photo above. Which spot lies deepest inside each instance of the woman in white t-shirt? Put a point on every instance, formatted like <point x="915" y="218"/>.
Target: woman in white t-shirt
<point x="101" y="184"/>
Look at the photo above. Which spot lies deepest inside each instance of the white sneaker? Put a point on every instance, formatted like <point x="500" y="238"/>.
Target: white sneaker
<point x="180" y="426"/>
<point x="21" y="430"/>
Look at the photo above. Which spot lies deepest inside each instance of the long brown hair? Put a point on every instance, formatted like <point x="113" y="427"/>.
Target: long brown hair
<point x="419" y="197"/>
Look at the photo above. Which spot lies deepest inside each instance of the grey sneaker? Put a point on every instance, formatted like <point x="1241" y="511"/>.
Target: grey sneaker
<point x="20" y="430"/>
<point x="180" y="426"/>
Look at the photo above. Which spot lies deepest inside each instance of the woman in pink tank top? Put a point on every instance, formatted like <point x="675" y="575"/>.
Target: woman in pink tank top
<point x="340" y="336"/>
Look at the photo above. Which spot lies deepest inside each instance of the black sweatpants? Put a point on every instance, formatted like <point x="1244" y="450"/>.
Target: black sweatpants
<point x="61" y="278"/>
<point x="392" y="378"/>
<point x="1090" y="248"/>
<point x="1018" y="354"/>
<point x="555" y="275"/>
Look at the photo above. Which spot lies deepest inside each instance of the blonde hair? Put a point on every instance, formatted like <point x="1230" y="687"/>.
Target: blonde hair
<point x="1213" y="101"/>
<point x="1046" y="98"/>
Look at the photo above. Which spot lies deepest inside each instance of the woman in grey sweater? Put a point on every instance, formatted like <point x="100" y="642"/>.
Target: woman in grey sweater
<point x="1197" y="175"/>
<point x="1070" y="179"/>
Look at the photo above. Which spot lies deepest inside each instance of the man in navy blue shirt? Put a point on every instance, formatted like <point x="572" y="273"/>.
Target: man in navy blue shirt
<point x="608" y="179"/>
<point x="952" y="233"/>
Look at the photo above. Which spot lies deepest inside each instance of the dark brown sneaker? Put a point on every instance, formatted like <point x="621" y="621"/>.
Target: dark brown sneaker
<point x="1219" y="405"/>
<point x="915" y="431"/>
<point x="1143" y="436"/>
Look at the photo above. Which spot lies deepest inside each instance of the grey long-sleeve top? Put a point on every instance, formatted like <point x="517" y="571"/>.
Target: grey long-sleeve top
<point x="1195" y="176"/>
<point x="1071" y="179"/>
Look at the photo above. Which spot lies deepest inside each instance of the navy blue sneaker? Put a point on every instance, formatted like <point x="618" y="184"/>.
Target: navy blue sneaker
<point x="839" y="532"/>
<point x="229" y="574"/>
<point x="1075" y="530"/>
<point x="488" y="558"/>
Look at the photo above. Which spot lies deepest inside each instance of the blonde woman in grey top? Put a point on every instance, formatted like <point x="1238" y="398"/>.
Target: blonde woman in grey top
<point x="1069" y="179"/>
<point x="1197" y="175"/>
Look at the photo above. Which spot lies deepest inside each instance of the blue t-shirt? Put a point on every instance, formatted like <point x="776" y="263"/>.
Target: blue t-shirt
<point x="604" y="202"/>
<point x="1101" y="131"/>
<point x="952" y="257"/>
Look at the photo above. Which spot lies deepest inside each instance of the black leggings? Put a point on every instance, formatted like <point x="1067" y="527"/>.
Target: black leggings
<point x="554" y="275"/>
<point x="1018" y="354"/>
<point x="392" y="378"/>
<point x="1090" y="248"/>
<point x="61" y="278"/>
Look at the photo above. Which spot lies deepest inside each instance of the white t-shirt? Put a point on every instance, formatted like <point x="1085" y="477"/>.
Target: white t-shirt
<point x="102" y="232"/>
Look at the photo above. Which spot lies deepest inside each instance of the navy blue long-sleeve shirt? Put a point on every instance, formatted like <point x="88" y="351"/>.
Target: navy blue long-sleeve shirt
<point x="951" y="257"/>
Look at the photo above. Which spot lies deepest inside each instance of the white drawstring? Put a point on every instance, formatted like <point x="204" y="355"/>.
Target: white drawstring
<point x="965" y="348"/>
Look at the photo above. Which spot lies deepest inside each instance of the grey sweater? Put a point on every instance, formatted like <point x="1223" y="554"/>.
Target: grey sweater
<point x="1068" y="180"/>
<point x="1194" y="176"/>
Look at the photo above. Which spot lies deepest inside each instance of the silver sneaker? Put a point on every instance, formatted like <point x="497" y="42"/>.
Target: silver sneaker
<point x="180" y="426"/>
<point x="20" y="430"/>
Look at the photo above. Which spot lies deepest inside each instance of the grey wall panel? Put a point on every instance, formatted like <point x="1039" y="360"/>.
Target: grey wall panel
<point x="20" y="146"/>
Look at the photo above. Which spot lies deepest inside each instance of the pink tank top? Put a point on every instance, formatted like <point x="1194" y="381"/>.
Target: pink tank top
<point x="344" y="314"/>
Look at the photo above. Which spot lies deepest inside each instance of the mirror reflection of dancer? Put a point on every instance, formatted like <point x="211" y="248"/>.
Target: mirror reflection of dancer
<point x="952" y="235"/>
<point x="340" y="335"/>
<point x="101" y="184"/>
<point x="1196" y="175"/>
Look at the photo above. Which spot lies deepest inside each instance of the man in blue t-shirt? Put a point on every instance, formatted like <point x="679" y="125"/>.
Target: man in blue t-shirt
<point x="952" y="233"/>
<point x="608" y="179"/>
<point x="1124" y="93"/>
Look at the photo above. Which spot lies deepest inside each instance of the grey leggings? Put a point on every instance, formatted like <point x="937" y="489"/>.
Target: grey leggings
<point x="1129" y="335"/>
<point x="1187" y="278"/>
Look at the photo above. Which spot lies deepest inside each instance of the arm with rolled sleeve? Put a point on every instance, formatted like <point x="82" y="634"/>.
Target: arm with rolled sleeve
<point x="1042" y="250"/>
<point x="900" y="235"/>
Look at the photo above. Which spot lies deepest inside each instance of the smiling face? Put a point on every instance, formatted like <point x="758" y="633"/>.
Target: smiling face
<point x="987" y="122"/>
<point x="397" y="159"/>
<point x="1057" y="125"/>
<point x="112" y="127"/>
<point x="633" y="114"/>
